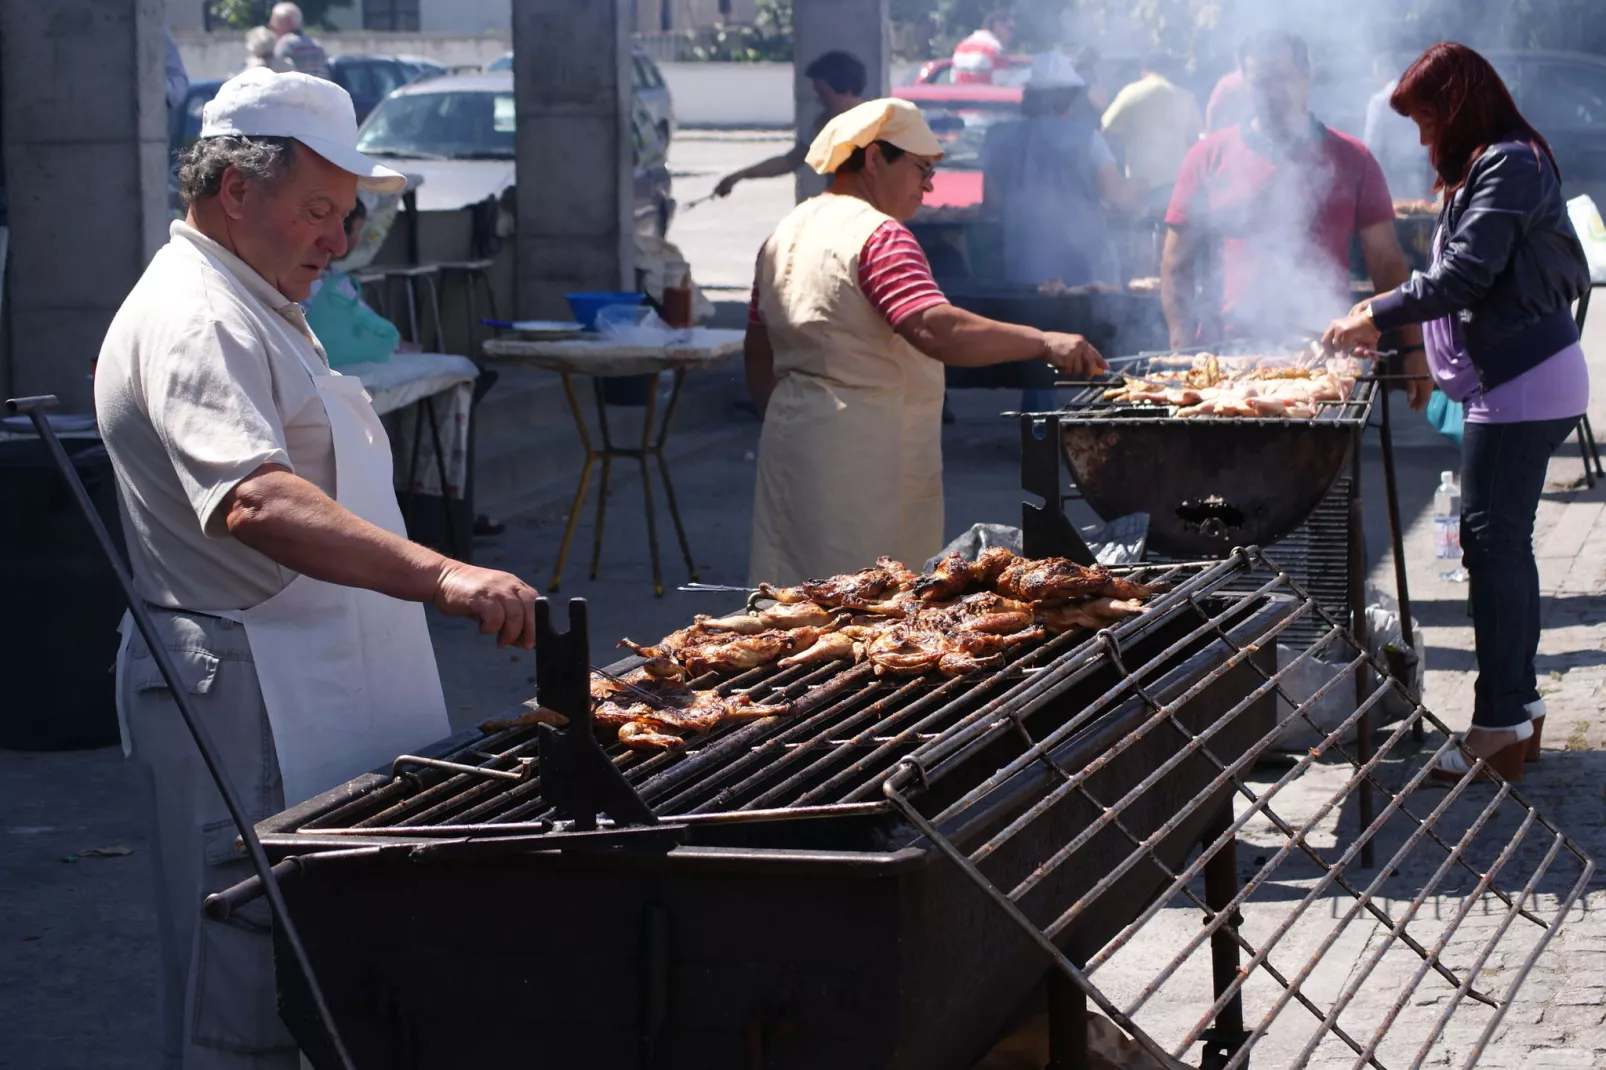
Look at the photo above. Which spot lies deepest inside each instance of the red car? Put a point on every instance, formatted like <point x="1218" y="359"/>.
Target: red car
<point x="1013" y="70"/>
<point x="960" y="116"/>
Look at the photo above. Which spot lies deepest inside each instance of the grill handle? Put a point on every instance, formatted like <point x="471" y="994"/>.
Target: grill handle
<point x="220" y="906"/>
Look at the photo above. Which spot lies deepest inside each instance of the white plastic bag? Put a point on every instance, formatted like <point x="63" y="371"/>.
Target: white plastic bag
<point x="1333" y="708"/>
<point x="635" y="325"/>
<point x="1592" y="233"/>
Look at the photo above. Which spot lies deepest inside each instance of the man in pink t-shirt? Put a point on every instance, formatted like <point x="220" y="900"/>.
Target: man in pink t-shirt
<point x="1278" y="199"/>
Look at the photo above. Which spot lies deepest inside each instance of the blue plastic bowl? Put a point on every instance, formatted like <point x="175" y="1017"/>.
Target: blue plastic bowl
<point x="585" y="306"/>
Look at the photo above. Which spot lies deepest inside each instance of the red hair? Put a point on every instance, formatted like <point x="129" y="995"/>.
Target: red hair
<point x="1470" y="106"/>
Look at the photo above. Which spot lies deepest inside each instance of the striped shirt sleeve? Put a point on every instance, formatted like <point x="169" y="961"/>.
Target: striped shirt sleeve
<point x="894" y="274"/>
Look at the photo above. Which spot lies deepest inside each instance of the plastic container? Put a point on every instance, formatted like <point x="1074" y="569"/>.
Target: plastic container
<point x="585" y="306"/>
<point x="1447" y="526"/>
<point x="62" y="602"/>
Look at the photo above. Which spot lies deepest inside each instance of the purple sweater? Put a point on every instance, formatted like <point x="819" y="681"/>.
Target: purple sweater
<point x="1554" y="390"/>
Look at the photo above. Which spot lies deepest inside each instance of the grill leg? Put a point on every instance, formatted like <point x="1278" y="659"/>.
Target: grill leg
<point x="1067" y="1024"/>
<point x="1222" y="1042"/>
<point x="1402" y="586"/>
<point x="655" y="979"/>
<point x="1357" y="623"/>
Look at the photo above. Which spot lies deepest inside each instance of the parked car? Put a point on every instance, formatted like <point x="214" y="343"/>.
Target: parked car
<point x="457" y="133"/>
<point x="646" y="80"/>
<point x="369" y="79"/>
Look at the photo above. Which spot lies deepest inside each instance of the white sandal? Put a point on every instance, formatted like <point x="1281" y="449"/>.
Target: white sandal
<point x="1507" y="761"/>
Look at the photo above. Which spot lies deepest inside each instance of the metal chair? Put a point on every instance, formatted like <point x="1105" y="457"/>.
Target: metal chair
<point x="1588" y="451"/>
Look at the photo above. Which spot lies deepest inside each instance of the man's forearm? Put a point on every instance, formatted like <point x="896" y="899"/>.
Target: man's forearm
<point x="1177" y="301"/>
<point x="774" y="167"/>
<point x="965" y="340"/>
<point x="292" y="522"/>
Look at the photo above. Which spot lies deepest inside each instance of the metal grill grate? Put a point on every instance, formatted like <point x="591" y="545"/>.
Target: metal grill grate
<point x="1462" y="869"/>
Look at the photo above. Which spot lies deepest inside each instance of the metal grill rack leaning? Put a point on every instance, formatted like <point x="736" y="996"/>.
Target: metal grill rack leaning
<point x="881" y="877"/>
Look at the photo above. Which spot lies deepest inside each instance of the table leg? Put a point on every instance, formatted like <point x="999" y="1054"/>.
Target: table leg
<point x="440" y="473"/>
<point x="646" y="488"/>
<point x="579" y="491"/>
<point x="602" y="511"/>
<point x="412" y="465"/>
<point x="663" y="471"/>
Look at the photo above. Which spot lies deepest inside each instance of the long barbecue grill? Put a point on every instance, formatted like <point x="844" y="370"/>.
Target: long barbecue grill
<point x="882" y="877"/>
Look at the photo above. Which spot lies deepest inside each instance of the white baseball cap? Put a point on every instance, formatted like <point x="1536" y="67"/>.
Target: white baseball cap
<point x="1054" y="70"/>
<point x="314" y="111"/>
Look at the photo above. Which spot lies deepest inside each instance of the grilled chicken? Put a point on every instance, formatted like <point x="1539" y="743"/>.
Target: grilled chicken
<point x="695" y="711"/>
<point x="1094" y="613"/>
<point x="639" y="735"/>
<point x="952" y="577"/>
<point x="532" y="714"/>
<point x="780" y="615"/>
<point x="852" y="591"/>
<point x="911" y="649"/>
<point x="747" y="651"/>
<point x="833" y="646"/>
<point x="1050" y="579"/>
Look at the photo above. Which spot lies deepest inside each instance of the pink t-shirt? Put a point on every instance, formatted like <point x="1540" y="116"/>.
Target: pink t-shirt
<point x="1284" y="219"/>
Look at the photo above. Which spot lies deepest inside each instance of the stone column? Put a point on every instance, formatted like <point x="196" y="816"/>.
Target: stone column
<point x="571" y="78"/>
<point x="85" y="156"/>
<point x="857" y="26"/>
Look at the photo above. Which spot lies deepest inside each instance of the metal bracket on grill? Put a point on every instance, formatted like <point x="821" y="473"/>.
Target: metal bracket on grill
<point x="577" y="775"/>
<point x="1045" y="530"/>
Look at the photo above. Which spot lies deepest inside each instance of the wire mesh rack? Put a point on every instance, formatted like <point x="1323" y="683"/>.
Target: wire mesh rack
<point x="1275" y="910"/>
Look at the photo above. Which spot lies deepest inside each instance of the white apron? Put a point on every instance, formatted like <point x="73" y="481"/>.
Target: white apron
<point x="850" y="458"/>
<point x="348" y="675"/>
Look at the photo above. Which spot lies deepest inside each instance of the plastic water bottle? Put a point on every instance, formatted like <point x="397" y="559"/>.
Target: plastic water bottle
<point x="1447" y="527"/>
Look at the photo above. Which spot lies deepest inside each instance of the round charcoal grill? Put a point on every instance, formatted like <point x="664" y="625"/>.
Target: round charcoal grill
<point x="1208" y="483"/>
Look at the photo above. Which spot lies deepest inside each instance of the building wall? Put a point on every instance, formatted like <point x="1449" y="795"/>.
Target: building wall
<point x="221" y="54"/>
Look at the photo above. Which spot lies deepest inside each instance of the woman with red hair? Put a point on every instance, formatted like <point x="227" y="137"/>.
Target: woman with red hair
<point x="1501" y="339"/>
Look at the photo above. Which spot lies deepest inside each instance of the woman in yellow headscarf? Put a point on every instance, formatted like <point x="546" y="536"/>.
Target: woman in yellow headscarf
<point x="846" y="342"/>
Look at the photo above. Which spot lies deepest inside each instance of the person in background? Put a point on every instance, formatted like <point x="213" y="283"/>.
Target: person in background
<point x="1393" y="138"/>
<point x="1284" y="196"/>
<point x="1152" y="124"/>
<point x="1047" y="177"/>
<point x="976" y="57"/>
<point x="847" y="336"/>
<point x="1501" y="339"/>
<point x="839" y="79"/>
<point x="295" y="48"/>
<point x="260" y="42"/>
<point x="1229" y="102"/>
<point x="1095" y="95"/>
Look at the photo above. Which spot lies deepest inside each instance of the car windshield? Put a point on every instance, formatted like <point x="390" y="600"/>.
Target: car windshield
<point x="503" y="62"/>
<point x="961" y="128"/>
<point x="464" y="125"/>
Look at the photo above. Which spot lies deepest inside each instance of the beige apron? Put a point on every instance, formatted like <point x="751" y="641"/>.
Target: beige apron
<point x="348" y="675"/>
<point x="850" y="458"/>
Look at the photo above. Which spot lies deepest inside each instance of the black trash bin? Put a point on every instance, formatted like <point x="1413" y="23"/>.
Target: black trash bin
<point x="62" y="601"/>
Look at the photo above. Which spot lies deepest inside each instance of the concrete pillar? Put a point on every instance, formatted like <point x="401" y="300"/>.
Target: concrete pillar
<point x="572" y="90"/>
<point x="819" y="26"/>
<point x="85" y="156"/>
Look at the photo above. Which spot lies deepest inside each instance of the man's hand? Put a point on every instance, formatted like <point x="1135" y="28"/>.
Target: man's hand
<point x="1073" y="355"/>
<point x="501" y="602"/>
<point x="1417" y="390"/>
<point x="725" y="186"/>
<point x="1354" y="331"/>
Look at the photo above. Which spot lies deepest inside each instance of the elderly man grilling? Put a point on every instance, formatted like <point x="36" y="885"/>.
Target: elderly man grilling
<point x="264" y="533"/>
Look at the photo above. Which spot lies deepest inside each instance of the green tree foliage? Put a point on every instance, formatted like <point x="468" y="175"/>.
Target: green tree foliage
<point x="244" y="14"/>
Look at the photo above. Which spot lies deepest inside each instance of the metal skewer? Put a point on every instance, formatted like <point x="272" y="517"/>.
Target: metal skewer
<point x="641" y="693"/>
<point x="35" y="408"/>
<point x="725" y="588"/>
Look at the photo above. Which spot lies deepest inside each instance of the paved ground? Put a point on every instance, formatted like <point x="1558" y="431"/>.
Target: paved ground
<point x="77" y="956"/>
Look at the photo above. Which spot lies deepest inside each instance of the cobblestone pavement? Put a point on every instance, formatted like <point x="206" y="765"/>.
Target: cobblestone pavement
<point x="1558" y="1015"/>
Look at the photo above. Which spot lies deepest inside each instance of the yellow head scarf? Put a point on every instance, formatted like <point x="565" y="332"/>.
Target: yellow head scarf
<point x="896" y="122"/>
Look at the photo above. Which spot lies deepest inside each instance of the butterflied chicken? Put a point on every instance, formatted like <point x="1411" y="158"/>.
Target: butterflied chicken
<point x="743" y="652"/>
<point x="780" y="615"/>
<point x="695" y="711"/>
<point x="532" y="714"/>
<point x="852" y="591"/>
<point x="1050" y="579"/>
<point x="833" y="646"/>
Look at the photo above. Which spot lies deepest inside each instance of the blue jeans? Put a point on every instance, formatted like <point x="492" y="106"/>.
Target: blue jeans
<point x="1502" y="475"/>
